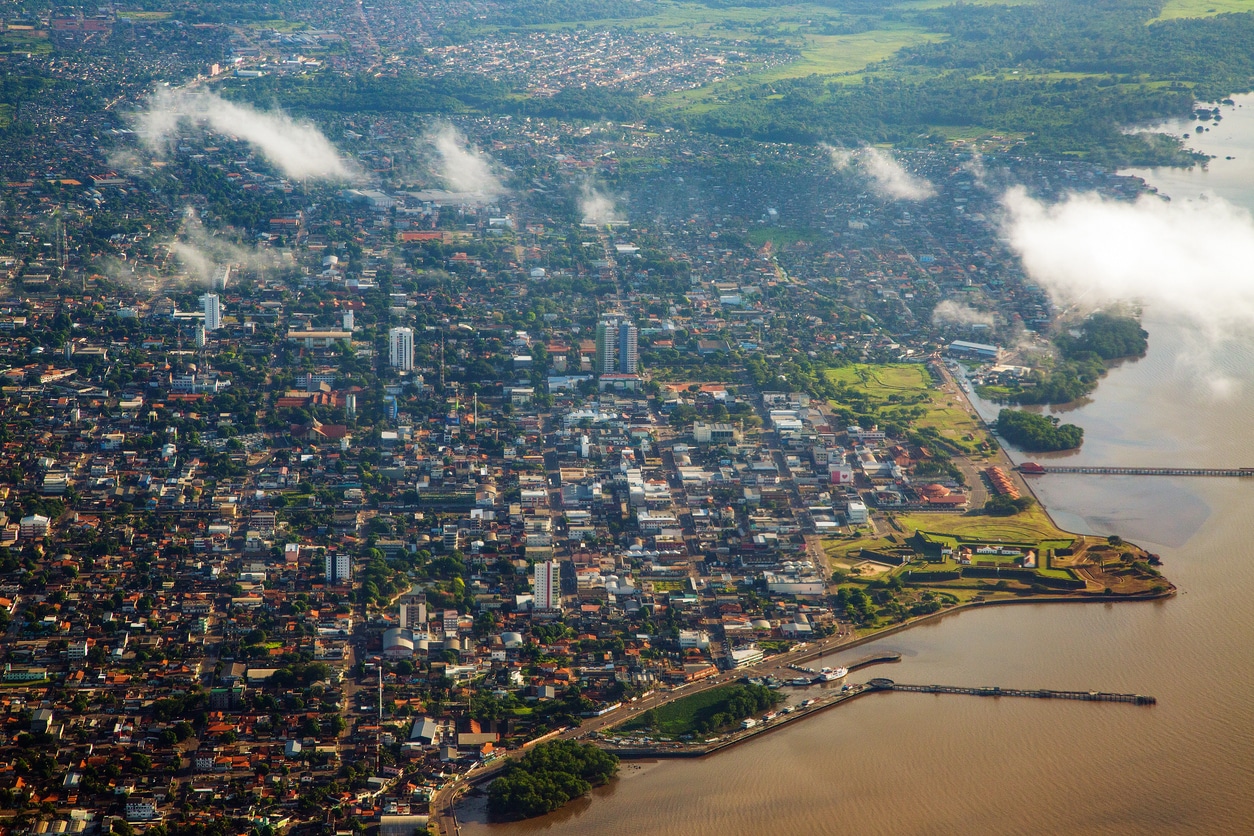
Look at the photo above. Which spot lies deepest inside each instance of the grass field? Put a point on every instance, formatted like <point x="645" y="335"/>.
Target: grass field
<point x="1030" y="526"/>
<point x="25" y="41"/>
<point x="1176" y="9"/>
<point x="828" y="55"/>
<point x="682" y="716"/>
<point x="782" y="236"/>
<point x="892" y="389"/>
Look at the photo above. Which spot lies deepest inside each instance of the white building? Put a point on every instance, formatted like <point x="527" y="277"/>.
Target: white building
<point x="547" y="587"/>
<point x="33" y="527"/>
<point x="141" y="808"/>
<point x="339" y="568"/>
<point x="212" y="307"/>
<point x="617" y="347"/>
<point x="414" y="611"/>
<point x="401" y="348"/>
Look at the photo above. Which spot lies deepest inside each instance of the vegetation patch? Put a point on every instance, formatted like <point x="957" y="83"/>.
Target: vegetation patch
<point x="547" y="777"/>
<point x="1038" y="433"/>
<point x="903" y="396"/>
<point x="707" y="712"/>
<point x="1085" y="353"/>
<point x="1178" y="9"/>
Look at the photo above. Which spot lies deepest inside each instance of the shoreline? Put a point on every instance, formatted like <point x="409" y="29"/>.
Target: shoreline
<point x="1000" y="458"/>
<point x="447" y="810"/>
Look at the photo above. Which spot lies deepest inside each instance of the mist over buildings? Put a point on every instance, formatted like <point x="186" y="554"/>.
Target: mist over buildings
<point x="202" y="254"/>
<point x="884" y="174"/>
<point x="597" y="207"/>
<point x="951" y="313"/>
<point x="461" y="165"/>
<point x="296" y="147"/>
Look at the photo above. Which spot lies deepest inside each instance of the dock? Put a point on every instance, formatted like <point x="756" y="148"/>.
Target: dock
<point x="881" y="684"/>
<point x="1224" y="472"/>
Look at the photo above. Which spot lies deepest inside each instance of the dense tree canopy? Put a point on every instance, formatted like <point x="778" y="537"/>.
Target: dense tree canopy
<point x="1038" y="433"/>
<point x="547" y="777"/>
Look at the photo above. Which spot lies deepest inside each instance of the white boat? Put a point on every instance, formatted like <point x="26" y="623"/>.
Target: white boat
<point x="831" y="674"/>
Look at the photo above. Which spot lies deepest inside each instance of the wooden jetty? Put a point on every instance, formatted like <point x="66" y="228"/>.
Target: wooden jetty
<point x="1093" y="470"/>
<point x="882" y="684"/>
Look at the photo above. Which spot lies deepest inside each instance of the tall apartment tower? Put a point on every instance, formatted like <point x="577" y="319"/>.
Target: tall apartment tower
<point x="547" y="592"/>
<point x="349" y="320"/>
<point x="339" y="568"/>
<point x="617" y="347"/>
<point x="628" y="351"/>
<point x="212" y="307"/>
<point x="414" y="611"/>
<point x="607" y="347"/>
<point x="401" y="348"/>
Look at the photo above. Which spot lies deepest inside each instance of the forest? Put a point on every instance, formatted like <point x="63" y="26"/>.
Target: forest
<point x="1038" y="433"/>
<point x="1084" y="357"/>
<point x="1067" y="78"/>
<point x="547" y="777"/>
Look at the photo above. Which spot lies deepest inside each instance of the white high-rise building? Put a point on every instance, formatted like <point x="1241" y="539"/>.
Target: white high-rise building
<point x="349" y="320"/>
<point x="339" y="568"/>
<point x="200" y="336"/>
<point x="547" y="593"/>
<point x="617" y="342"/>
<point x="607" y="347"/>
<point x="628" y="349"/>
<point x="401" y="348"/>
<point x="414" y="611"/>
<point x="213" y="311"/>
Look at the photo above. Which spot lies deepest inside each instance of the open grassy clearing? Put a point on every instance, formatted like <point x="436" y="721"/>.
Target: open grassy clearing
<point x="1176" y="9"/>
<point x="278" y="25"/>
<point x="694" y="714"/>
<point x="35" y="43"/>
<point x="893" y="388"/>
<point x="782" y="236"/>
<point x="939" y="4"/>
<point x="1030" y="526"/>
<point x="840" y="56"/>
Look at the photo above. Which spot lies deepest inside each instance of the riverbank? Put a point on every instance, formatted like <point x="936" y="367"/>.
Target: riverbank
<point x="443" y="805"/>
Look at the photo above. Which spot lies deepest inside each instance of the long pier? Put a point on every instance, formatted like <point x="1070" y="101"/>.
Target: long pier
<point x="881" y="684"/>
<point x="1237" y="472"/>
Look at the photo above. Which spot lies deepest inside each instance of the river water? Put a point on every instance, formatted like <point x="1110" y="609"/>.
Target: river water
<point x="902" y="763"/>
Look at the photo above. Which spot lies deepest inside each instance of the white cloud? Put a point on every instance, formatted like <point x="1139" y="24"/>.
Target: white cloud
<point x="201" y="253"/>
<point x="462" y="166"/>
<point x="1188" y="259"/>
<point x="949" y="312"/>
<point x="596" y="206"/>
<point x="294" y="146"/>
<point x="887" y="177"/>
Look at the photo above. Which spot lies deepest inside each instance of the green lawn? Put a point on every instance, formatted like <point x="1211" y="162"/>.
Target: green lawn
<point x="894" y="389"/>
<point x="828" y="55"/>
<point x="781" y="236"/>
<point x="1175" y="9"/>
<point x="683" y="715"/>
<point x="1030" y="526"/>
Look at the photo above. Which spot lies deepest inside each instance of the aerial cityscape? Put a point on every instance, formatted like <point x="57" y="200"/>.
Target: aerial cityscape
<point x="424" y="418"/>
